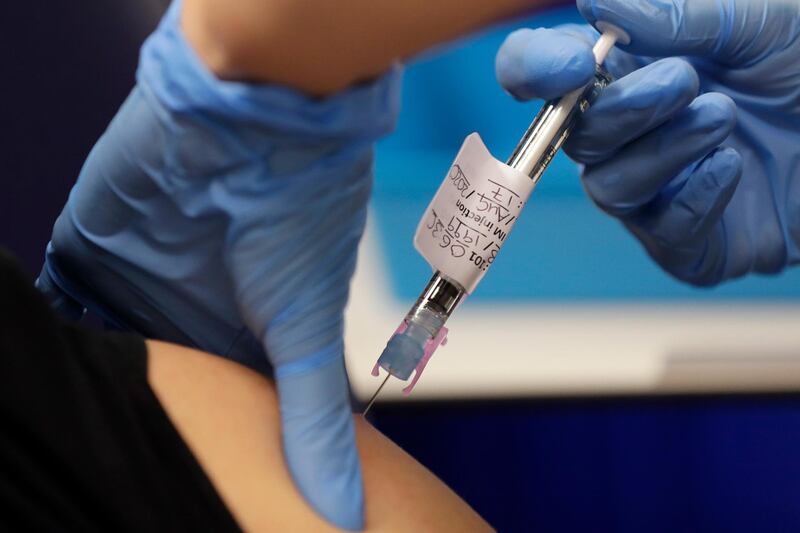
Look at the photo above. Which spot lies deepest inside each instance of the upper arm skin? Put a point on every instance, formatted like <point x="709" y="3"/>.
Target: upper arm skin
<point x="228" y="416"/>
<point x="321" y="47"/>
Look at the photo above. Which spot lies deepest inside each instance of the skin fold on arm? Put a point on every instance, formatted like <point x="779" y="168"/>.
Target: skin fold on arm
<point x="321" y="47"/>
<point x="228" y="416"/>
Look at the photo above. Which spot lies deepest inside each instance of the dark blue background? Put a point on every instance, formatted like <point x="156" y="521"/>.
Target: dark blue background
<point x="727" y="464"/>
<point x="65" y="68"/>
<point x="635" y="464"/>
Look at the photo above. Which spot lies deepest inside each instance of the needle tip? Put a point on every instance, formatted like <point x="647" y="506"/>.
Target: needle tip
<point x="375" y="396"/>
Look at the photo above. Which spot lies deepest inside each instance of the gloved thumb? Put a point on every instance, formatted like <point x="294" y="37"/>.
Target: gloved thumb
<point x="319" y="438"/>
<point x="544" y="63"/>
<point x="732" y="32"/>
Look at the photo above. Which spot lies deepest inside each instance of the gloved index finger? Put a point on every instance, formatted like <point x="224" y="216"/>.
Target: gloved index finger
<point x="627" y="182"/>
<point x="631" y="107"/>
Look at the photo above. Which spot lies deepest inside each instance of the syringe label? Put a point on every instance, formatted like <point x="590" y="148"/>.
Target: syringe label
<point x="472" y="214"/>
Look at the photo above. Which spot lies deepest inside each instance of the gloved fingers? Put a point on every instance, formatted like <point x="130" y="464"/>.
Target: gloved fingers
<point x="319" y="438"/>
<point x="632" y="106"/>
<point x="682" y="231"/>
<point x="547" y="63"/>
<point x="634" y="176"/>
<point x="731" y="32"/>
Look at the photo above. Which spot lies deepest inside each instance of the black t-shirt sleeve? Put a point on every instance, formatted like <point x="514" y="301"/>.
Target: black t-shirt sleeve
<point x="84" y="443"/>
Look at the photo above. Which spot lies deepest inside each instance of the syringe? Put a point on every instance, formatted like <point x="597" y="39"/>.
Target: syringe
<point x="423" y="328"/>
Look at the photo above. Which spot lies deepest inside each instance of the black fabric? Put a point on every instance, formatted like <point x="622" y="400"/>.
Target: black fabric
<point x="84" y="443"/>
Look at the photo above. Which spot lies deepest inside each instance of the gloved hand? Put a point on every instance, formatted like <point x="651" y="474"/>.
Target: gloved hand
<point x="227" y="216"/>
<point x="697" y="153"/>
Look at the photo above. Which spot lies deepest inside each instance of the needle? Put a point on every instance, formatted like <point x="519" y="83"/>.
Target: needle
<point x="375" y="396"/>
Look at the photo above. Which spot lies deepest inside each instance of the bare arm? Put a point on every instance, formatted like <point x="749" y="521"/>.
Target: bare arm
<point x="322" y="46"/>
<point x="228" y="415"/>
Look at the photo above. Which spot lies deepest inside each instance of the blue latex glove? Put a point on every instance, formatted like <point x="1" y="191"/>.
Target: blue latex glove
<point x="698" y="152"/>
<point x="227" y="216"/>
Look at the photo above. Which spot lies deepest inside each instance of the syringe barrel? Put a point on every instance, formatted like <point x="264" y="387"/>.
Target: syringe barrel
<point x="441" y="296"/>
<point x="552" y="126"/>
<point x="533" y="155"/>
